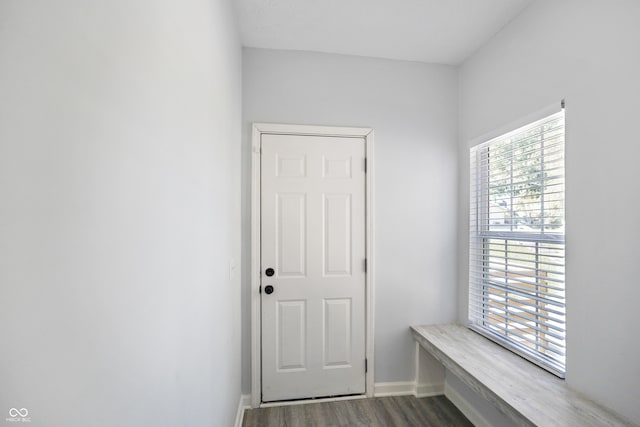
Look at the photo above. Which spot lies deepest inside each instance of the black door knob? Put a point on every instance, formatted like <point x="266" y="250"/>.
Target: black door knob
<point x="268" y="289"/>
<point x="269" y="272"/>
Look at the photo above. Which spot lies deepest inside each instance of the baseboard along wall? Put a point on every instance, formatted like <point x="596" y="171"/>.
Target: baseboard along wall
<point x="404" y="388"/>
<point x="243" y="403"/>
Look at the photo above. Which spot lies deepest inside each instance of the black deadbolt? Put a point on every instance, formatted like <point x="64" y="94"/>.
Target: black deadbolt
<point x="268" y="289"/>
<point x="269" y="272"/>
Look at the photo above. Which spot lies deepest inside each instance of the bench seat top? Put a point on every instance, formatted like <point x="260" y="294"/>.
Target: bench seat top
<point x="524" y="392"/>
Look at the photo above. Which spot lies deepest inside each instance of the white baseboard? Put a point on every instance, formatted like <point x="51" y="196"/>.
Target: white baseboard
<point x="407" y="388"/>
<point x="428" y="390"/>
<point x="399" y="388"/>
<point x="243" y="403"/>
<point x="465" y="407"/>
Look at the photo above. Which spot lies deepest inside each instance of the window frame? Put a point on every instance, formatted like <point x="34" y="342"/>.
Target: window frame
<point x="480" y="234"/>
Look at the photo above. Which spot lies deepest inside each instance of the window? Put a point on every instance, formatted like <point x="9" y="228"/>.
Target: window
<point x="517" y="247"/>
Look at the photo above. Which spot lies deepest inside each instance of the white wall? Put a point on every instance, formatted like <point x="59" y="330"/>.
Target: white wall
<point x="587" y="52"/>
<point x="412" y="109"/>
<point x="119" y="212"/>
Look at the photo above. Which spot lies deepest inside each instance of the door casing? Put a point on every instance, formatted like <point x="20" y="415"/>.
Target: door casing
<point x="284" y="129"/>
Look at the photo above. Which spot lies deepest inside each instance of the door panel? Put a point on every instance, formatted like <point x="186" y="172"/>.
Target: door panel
<point x="337" y="235"/>
<point x="291" y="212"/>
<point x="313" y="236"/>
<point x="291" y="326"/>
<point x="337" y="332"/>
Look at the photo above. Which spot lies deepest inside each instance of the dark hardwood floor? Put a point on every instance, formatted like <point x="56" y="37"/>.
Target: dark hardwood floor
<point x="398" y="411"/>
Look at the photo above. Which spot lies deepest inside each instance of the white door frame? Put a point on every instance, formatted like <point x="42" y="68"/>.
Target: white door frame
<point x="281" y="129"/>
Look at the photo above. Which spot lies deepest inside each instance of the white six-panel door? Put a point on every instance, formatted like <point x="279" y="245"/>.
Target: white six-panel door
<point x="313" y="237"/>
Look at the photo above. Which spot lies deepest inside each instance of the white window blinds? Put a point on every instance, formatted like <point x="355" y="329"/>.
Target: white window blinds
<point x="516" y="271"/>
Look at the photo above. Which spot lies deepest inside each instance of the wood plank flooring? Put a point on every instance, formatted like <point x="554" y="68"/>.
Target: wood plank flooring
<point x="397" y="411"/>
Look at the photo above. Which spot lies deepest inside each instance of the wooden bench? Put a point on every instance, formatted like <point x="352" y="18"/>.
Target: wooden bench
<point x="526" y="394"/>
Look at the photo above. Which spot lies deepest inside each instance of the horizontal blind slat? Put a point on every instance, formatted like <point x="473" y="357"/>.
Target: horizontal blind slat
<point x="557" y="351"/>
<point x="548" y="322"/>
<point x="513" y="319"/>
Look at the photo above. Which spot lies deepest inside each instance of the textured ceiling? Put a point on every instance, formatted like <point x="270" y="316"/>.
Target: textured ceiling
<point x="436" y="31"/>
